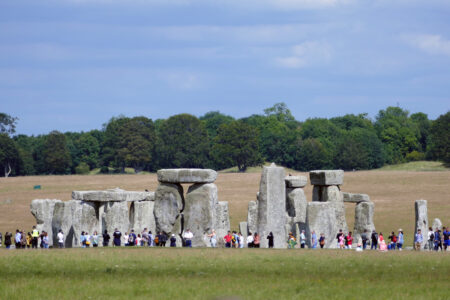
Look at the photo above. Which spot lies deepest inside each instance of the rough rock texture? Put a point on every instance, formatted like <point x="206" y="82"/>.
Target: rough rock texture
<point x="141" y="216"/>
<point x="355" y="198"/>
<point x="169" y="202"/>
<point x="243" y="229"/>
<point x="252" y="216"/>
<point x="320" y="217"/>
<point x="187" y="175"/>
<point x="326" y="177"/>
<point x="85" y="218"/>
<point x="421" y="219"/>
<point x="296" y="208"/>
<point x="178" y="231"/>
<point x="272" y="206"/>
<point x="62" y="219"/>
<point x="222" y="221"/>
<point x="114" y="215"/>
<point x="363" y="219"/>
<point x="325" y="193"/>
<point x="317" y="193"/>
<point x="437" y="224"/>
<point x="42" y="210"/>
<point x="113" y="195"/>
<point x="200" y="212"/>
<point x="296" y="181"/>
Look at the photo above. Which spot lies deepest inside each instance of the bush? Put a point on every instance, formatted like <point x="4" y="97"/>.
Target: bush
<point x="415" y="156"/>
<point x="82" y="168"/>
<point x="104" y="170"/>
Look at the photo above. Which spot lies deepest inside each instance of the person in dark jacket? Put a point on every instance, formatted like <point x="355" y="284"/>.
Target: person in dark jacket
<point x="173" y="241"/>
<point x="106" y="238"/>
<point x="163" y="239"/>
<point x="270" y="238"/>
<point x="117" y="235"/>
<point x="374" y="239"/>
<point x="8" y="236"/>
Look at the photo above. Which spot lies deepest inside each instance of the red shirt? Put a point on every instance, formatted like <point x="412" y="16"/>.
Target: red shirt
<point x="349" y="240"/>
<point x="227" y="238"/>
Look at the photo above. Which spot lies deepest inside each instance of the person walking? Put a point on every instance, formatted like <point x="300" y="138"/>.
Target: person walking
<point x="322" y="240"/>
<point x="17" y="239"/>
<point x="241" y="240"/>
<point x="8" y="236"/>
<point x="418" y="240"/>
<point x="270" y="238"/>
<point x="35" y="237"/>
<point x="144" y="235"/>
<point x="338" y="238"/>
<point x="45" y="240"/>
<point x="437" y="240"/>
<point x="313" y="240"/>
<point x="150" y="239"/>
<point x="349" y="240"/>
<point x="400" y="240"/>
<point x="188" y="236"/>
<point x="117" y="235"/>
<point x="430" y="239"/>
<point x="364" y="239"/>
<point x="213" y="239"/>
<point x="173" y="241"/>
<point x="250" y="240"/>
<point x="256" y="240"/>
<point x="106" y="238"/>
<point x="446" y="234"/>
<point x="28" y="240"/>
<point x="60" y="237"/>
<point x="374" y="240"/>
<point x="302" y="239"/>
<point x="228" y="239"/>
<point x="163" y="239"/>
<point x="95" y="239"/>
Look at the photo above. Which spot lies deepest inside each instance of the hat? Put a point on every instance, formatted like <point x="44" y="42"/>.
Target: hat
<point x="173" y="234"/>
<point x="400" y="229"/>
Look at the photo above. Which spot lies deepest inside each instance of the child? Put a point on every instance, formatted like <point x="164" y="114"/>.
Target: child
<point x="322" y="240"/>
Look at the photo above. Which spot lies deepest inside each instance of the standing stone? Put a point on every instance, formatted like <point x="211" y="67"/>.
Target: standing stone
<point x="272" y="206"/>
<point x="42" y="210"/>
<point x="320" y="217"/>
<point x="317" y="193"/>
<point x="243" y="229"/>
<point x="222" y="222"/>
<point x="326" y="177"/>
<point x="177" y="230"/>
<point x="169" y="202"/>
<point x="296" y="209"/>
<point x="141" y="216"/>
<point x="187" y="175"/>
<point x="114" y="215"/>
<point x="437" y="224"/>
<point x="363" y="219"/>
<point x="332" y="194"/>
<point x="252" y="216"/>
<point x="199" y="212"/>
<point x="85" y="219"/>
<point x="422" y="220"/>
<point x="62" y="220"/>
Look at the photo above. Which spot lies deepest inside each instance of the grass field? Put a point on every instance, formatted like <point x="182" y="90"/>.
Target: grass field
<point x="222" y="274"/>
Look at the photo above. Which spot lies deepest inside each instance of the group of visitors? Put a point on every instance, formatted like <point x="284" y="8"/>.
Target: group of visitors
<point x="22" y="240"/>
<point x="436" y="239"/>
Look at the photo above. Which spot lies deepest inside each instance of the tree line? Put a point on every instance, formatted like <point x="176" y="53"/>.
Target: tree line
<point x="218" y="141"/>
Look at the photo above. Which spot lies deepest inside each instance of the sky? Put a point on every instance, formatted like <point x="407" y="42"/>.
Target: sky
<point x="71" y="65"/>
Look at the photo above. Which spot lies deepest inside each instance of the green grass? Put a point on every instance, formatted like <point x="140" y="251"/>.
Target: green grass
<point x="212" y="273"/>
<point x="418" y="166"/>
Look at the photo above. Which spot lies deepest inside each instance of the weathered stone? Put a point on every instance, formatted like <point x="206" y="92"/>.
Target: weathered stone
<point x="324" y="193"/>
<point x="252" y="216"/>
<point x="356" y="198"/>
<point x="296" y="181"/>
<point x="187" y="175"/>
<point x="339" y="210"/>
<point x="317" y="193"/>
<point x="199" y="212"/>
<point x="62" y="220"/>
<point x="169" y="202"/>
<point x="437" y="224"/>
<point x="177" y="230"/>
<point x="114" y="215"/>
<point x="42" y="210"/>
<point x="363" y="219"/>
<point x="326" y="177"/>
<point x="422" y="220"/>
<point x="141" y="216"/>
<point x="85" y="219"/>
<point x="113" y="195"/>
<point x="272" y="206"/>
<point x="243" y="229"/>
<point x="321" y="218"/>
<point x="222" y="221"/>
<point x="296" y="205"/>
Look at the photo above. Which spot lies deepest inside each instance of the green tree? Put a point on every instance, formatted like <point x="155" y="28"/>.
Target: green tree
<point x="236" y="144"/>
<point x="439" y="147"/>
<point x="7" y="124"/>
<point x="9" y="155"/>
<point x="212" y="121"/>
<point x="88" y="150"/>
<point x="423" y="124"/>
<point x="312" y="155"/>
<point x="56" y="153"/>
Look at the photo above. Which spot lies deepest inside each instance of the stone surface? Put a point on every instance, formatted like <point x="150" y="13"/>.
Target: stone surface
<point x="321" y="218"/>
<point x="326" y="177"/>
<point x="141" y="216"/>
<point x="169" y="202"/>
<point x="222" y="221"/>
<point x="113" y="195"/>
<point x="296" y="205"/>
<point x="252" y="216"/>
<point x="363" y="219"/>
<point x="243" y="229"/>
<point x="317" y="193"/>
<point x="437" y="224"/>
<point x="339" y="211"/>
<point x="200" y="212"/>
<point x="421" y="219"/>
<point x="355" y="198"/>
<point x="272" y="215"/>
<point x="62" y="219"/>
<point x="114" y="215"/>
<point x="187" y="175"/>
<point x="178" y="231"/>
<point x="85" y="219"/>
<point x="331" y="194"/>
<point x="42" y="210"/>
<point x="296" y="181"/>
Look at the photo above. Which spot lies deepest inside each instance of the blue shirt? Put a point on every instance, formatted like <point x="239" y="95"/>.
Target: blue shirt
<point x="419" y="238"/>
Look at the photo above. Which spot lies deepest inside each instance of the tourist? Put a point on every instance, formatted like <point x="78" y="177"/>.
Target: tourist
<point x="381" y="238"/>
<point x="418" y="240"/>
<point x="338" y="238"/>
<point x="446" y="234"/>
<point x="150" y="239"/>
<point x="106" y="238"/>
<point x="28" y="240"/>
<point x="87" y="239"/>
<point x="213" y="239"/>
<point x="233" y="239"/>
<point x="374" y="240"/>
<point x="17" y="239"/>
<point x="313" y="240"/>
<point x="95" y="239"/>
<point x="157" y="238"/>
<point x="41" y="237"/>
<point x="8" y="236"/>
<point x="322" y="240"/>
<point x="270" y="238"/>
<point x="250" y="240"/>
<point x="1" y="239"/>
<point x="138" y="241"/>
<point x="163" y="239"/>
<point x="437" y="240"/>
<point x="393" y="241"/>
<point x="227" y="240"/>
<point x="291" y="241"/>
<point x="383" y="246"/>
<point x="45" y="241"/>
<point x="256" y="240"/>
<point x="241" y="240"/>
<point x="144" y="240"/>
<point x="349" y="240"/>
<point x="132" y="238"/>
<point x="302" y="239"/>
<point x="173" y="241"/>
<point x="35" y="236"/>
<point x="400" y="240"/>
<point x="23" y="240"/>
<point x="342" y="241"/>
<point x="236" y="238"/>
<point x="60" y="239"/>
<point x="430" y="239"/>
<point x="117" y="235"/>
<point x="364" y="239"/>
<point x="188" y="236"/>
<point x="125" y="239"/>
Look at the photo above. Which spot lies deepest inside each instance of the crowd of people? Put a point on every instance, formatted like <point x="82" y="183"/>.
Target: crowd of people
<point x="436" y="240"/>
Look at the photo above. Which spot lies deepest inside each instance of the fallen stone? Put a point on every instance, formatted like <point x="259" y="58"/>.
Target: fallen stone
<point x="42" y="210"/>
<point x="296" y="181"/>
<point x="356" y="198"/>
<point x="321" y="218"/>
<point x="252" y="216"/>
<point x="141" y="216"/>
<point x="113" y="195"/>
<point x="169" y="202"/>
<point x="437" y="224"/>
<point x="363" y="219"/>
<point x="326" y="177"/>
<point x="187" y="175"/>
<point x="422" y="220"/>
<point x="272" y="206"/>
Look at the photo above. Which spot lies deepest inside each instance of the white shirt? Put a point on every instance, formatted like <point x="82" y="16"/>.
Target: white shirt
<point x="60" y="237"/>
<point x="302" y="238"/>
<point x="250" y="239"/>
<point x="188" y="235"/>
<point x="429" y="234"/>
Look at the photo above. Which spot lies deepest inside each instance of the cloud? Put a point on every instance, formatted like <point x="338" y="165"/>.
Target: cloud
<point x="432" y="44"/>
<point x="305" y="54"/>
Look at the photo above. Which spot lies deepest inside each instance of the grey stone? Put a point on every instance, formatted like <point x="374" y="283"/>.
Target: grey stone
<point x="321" y="218"/>
<point x="222" y="222"/>
<point x="42" y="210"/>
<point x="339" y="210"/>
<point x="317" y="193"/>
<point x="272" y="206"/>
<point x="85" y="219"/>
<point x="325" y="193"/>
<point x="363" y="219"/>
<point x="187" y="175"/>
<point x="169" y="202"/>
<point x="141" y="216"/>
<point x="113" y="195"/>
<point x="114" y="215"/>
<point x="437" y="224"/>
<point x="296" y="181"/>
<point x="62" y="220"/>
<point x="326" y="177"/>
<point x="296" y="205"/>
<point x="421" y="220"/>
<point x="356" y="198"/>
<point x="252" y="216"/>
<point x="199" y="212"/>
<point x="243" y="229"/>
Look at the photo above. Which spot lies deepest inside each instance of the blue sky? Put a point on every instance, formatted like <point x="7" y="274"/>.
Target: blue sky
<point x="71" y="65"/>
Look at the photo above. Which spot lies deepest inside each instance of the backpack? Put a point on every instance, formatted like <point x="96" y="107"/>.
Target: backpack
<point x="432" y="237"/>
<point x="131" y="239"/>
<point x="156" y="240"/>
<point x="394" y="239"/>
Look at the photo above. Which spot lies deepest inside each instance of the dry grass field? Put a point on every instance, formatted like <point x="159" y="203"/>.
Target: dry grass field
<point x="393" y="192"/>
